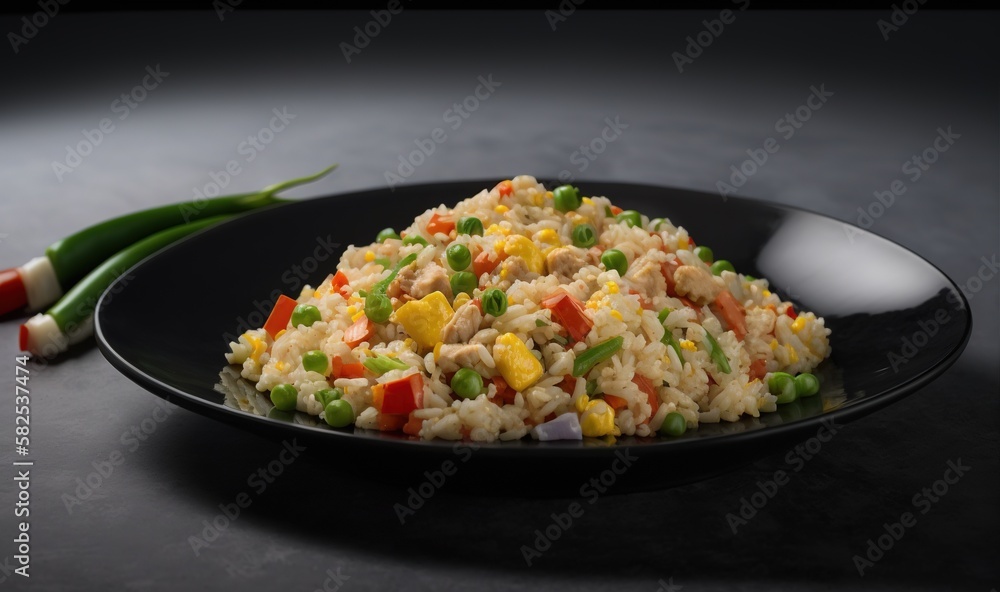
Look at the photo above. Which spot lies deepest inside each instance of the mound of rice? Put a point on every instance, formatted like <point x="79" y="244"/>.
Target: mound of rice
<point x="526" y="249"/>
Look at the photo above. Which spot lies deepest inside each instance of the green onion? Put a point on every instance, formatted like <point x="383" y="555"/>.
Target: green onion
<point x="68" y="321"/>
<point x="716" y="353"/>
<point x="560" y="339"/>
<point x="67" y="261"/>
<point x="595" y="355"/>
<point x="540" y="323"/>
<point x="591" y="388"/>
<point x="381" y="364"/>
<point x="385" y="234"/>
<point x="378" y="306"/>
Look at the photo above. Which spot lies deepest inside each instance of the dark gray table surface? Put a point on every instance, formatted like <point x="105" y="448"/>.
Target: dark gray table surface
<point x="554" y="91"/>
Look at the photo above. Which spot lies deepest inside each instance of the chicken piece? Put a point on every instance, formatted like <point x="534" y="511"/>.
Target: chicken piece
<point x="517" y="269"/>
<point x="430" y="279"/>
<point x="454" y="356"/>
<point x="463" y="325"/>
<point x="696" y="284"/>
<point x="647" y="278"/>
<point x="564" y="262"/>
<point x="403" y="283"/>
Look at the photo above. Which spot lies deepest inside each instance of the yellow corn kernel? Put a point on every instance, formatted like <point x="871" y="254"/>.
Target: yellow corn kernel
<point x="423" y="319"/>
<point x="355" y="299"/>
<point x="616" y="314"/>
<point x="682" y="243"/>
<point x="408" y="343"/>
<point x="259" y="347"/>
<point x="612" y="287"/>
<point x="503" y="273"/>
<point x="581" y="403"/>
<point x="369" y="256"/>
<point x="688" y="345"/>
<point x="357" y="315"/>
<point x="280" y="366"/>
<point x="280" y="333"/>
<point x="766" y="293"/>
<point x="460" y="300"/>
<point x="774" y="344"/>
<point x="588" y="201"/>
<point x="519" y="368"/>
<point x="799" y="323"/>
<point x="548" y="236"/>
<point x="497" y="229"/>
<point x="598" y="419"/>
<point x="437" y="351"/>
<point x="548" y="194"/>
<point x="352" y="309"/>
<point x="501" y="209"/>
<point x="793" y="356"/>
<point x="592" y="304"/>
<point x="539" y="199"/>
<point x="316" y="294"/>
<point x="523" y="247"/>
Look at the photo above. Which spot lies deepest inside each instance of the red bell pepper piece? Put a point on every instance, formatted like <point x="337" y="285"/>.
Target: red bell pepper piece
<point x="568" y="312"/>
<point x="505" y="188"/>
<point x="388" y="422"/>
<point x="362" y="330"/>
<point x="338" y="369"/>
<point x="439" y="223"/>
<point x="280" y="315"/>
<point x="339" y="284"/>
<point x="615" y="401"/>
<point x="402" y="396"/>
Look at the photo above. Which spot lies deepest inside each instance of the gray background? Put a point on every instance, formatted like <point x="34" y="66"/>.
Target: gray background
<point x="556" y="89"/>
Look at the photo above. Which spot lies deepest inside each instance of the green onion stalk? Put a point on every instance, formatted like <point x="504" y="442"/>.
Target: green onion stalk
<point x="41" y="281"/>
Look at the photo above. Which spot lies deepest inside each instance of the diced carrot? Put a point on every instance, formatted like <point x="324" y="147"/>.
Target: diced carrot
<point x="758" y="368"/>
<point x="361" y="331"/>
<point x="439" y="223"/>
<point x="280" y="315"/>
<point x="505" y="395"/>
<point x="647" y="387"/>
<point x="568" y="384"/>
<point x="413" y="425"/>
<point x="389" y="422"/>
<point x="403" y="395"/>
<point x="338" y="369"/>
<point x="478" y="303"/>
<point x="615" y="401"/>
<point x="616" y="210"/>
<point x="569" y="312"/>
<point x="732" y="312"/>
<point x="482" y="264"/>
<point x="505" y="188"/>
<point x="339" y="284"/>
<point x="378" y="395"/>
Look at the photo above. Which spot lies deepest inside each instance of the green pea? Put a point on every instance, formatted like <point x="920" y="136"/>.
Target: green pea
<point x="324" y="396"/>
<point x="458" y="256"/>
<point x="494" y="302"/>
<point x="464" y="281"/>
<point x="584" y="236"/>
<point x="629" y="218"/>
<point x="339" y="413"/>
<point x="378" y="307"/>
<point x="467" y="383"/>
<point x="673" y="424"/>
<point x="385" y="234"/>
<point x="722" y="265"/>
<point x="305" y="314"/>
<point x="782" y="385"/>
<point x="469" y="225"/>
<point x="566" y="197"/>
<point x="704" y="253"/>
<point x="806" y="385"/>
<point x="615" y="259"/>
<point x="656" y="223"/>
<point x="414" y="239"/>
<point x="284" y="397"/>
<point x="315" y="361"/>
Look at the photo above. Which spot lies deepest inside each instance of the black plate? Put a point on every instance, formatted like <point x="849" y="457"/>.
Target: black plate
<point x="897" y="323"/>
